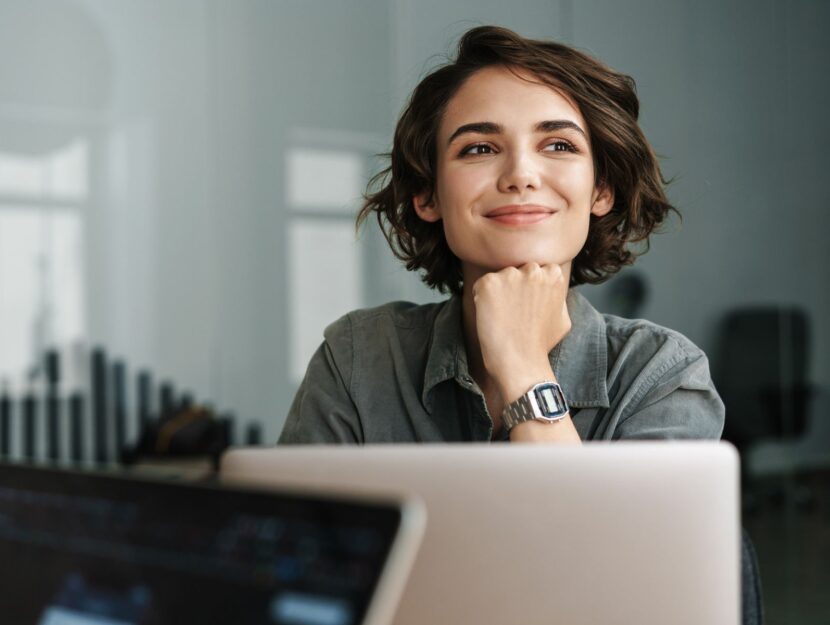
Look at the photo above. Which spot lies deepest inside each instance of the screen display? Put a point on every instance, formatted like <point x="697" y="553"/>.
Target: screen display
<point x="80" y="548"/>
<point x="549" y="401"/>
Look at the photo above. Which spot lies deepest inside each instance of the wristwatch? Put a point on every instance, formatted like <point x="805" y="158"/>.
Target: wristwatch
<point x="544" y="402"/>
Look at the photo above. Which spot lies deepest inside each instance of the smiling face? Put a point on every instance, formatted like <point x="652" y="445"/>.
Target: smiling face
<point x="515" y="175"/>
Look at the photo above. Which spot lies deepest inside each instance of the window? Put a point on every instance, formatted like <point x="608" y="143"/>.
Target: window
<point x="42" y="197"/>
<point x="324" y="186"/>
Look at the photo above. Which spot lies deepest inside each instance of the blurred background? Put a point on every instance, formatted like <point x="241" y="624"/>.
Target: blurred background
<point x="178" y="184"/>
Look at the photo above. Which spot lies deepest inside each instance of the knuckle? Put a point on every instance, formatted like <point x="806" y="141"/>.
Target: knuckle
<point x="483" y="283"/>
<point x="555" y="274"/>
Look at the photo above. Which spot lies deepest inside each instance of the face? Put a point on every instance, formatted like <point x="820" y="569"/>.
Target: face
<point x="515" y="175"/>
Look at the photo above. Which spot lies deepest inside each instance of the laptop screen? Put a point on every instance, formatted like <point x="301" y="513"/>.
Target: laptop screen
<point x="80" y="549"/>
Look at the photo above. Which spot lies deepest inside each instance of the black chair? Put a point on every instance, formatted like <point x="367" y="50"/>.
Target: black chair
<point x="761" y="374"/>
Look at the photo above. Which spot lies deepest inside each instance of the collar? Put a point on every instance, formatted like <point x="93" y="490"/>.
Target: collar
<point x="579" y="361"/>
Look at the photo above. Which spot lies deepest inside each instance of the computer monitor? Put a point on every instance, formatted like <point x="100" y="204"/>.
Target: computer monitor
<point x="82" y="548"/>
<point x="622" y="532"/>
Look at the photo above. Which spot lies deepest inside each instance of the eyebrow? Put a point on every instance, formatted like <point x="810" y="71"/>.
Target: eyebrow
<point x="490" y="128"/>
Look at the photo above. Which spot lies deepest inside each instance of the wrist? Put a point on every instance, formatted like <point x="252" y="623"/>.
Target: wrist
<point x="517" y="382"/>
<point x="562" y="431"/>
<point x="543" y="404"/>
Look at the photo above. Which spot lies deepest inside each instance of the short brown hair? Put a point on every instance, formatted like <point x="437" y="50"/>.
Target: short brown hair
<point x="623" y="158"/>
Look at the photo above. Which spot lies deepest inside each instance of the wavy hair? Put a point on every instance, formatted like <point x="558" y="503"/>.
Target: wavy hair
<point x="623" y="158"/>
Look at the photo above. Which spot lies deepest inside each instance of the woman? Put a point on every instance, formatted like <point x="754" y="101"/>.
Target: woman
<point x="518" y="172"/>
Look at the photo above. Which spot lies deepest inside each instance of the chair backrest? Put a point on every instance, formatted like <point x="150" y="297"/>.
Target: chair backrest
<point x="761" y="372"/>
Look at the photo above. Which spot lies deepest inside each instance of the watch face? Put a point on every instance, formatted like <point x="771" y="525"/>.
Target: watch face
<point x="550" y="399"/>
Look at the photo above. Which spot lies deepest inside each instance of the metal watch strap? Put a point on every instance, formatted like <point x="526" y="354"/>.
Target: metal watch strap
<point x="526" y="407"/>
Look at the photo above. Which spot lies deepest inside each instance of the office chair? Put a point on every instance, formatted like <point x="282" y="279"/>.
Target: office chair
<point x="762" y="377"/>
<point x="762" y="374"/>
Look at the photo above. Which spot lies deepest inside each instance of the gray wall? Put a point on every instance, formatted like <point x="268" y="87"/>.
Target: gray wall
<point x="190" y="109"/>
<point x="732" y="96"/>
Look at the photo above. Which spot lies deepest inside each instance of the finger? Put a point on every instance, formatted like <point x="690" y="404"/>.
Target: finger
<point x="531" y="268"/>
<point x="554" y="272"/>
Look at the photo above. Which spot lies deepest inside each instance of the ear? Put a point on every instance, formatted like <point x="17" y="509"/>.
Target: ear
<point x="603" y="200"/>
<point x="428" y="211"/>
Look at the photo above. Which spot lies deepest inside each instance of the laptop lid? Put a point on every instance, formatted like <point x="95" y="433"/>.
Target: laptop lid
<point x="627" y="532"/>
<point x="81" y="548"/>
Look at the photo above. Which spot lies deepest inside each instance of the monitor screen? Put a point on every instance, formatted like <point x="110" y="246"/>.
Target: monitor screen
<point x="83" y="548"/>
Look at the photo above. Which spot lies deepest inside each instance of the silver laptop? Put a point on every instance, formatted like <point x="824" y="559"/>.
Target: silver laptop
<point x="628" y="532"/>
<point x="89" y="549"/>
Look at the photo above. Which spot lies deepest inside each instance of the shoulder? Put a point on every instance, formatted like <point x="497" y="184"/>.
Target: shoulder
<point x="388" y="342"/>
<point x="659" y="383"/>
<point x="372" y="338"/>
<point x="647" y="353"/>
<point x="656" y="381"/>
<point x="646" y="336"/>
<point x="393" y="316"/>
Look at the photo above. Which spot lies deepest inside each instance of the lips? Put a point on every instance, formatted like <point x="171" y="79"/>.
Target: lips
<point x="520" y="214"/>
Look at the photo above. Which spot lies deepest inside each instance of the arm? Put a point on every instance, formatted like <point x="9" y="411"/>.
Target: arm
<point x="520" y="316"/>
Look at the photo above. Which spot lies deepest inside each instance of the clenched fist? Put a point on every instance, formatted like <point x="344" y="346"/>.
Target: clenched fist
<point x="521" y="316"/>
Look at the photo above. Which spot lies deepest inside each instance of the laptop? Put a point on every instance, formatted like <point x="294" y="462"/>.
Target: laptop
<point x="88" y="549"/>
<point x="626" y="532"/>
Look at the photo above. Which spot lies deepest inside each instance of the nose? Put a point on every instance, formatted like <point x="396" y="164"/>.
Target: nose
<point x="519" y="173"/>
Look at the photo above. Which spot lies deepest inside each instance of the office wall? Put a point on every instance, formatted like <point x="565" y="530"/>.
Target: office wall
<point x="187" y="123"/>
<point x="191" y="112"/>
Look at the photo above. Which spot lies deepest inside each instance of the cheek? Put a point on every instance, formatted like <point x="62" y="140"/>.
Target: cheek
<point x="458" y="191"/>
<point x="461" y="185"/>
<point x="453" y="233"/>
<point x="575" y="184"/>
<point x="578" y="234"/>
<point x="582" y="227"/>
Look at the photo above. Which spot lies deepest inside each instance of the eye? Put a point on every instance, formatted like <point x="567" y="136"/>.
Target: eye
<point x="468" y="151"/>
<point x="561" y="145"/>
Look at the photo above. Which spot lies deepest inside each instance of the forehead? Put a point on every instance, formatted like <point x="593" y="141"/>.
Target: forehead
<point x="497" y="94"/>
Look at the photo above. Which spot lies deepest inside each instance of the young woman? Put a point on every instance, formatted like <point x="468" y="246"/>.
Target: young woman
<point x="518" y="172"/>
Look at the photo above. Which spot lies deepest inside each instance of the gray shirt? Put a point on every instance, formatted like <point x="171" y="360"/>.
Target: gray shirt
<point x="398" y="373"/>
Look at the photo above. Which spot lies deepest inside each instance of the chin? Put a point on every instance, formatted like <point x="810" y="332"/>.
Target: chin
<point x="519" y="260"/>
